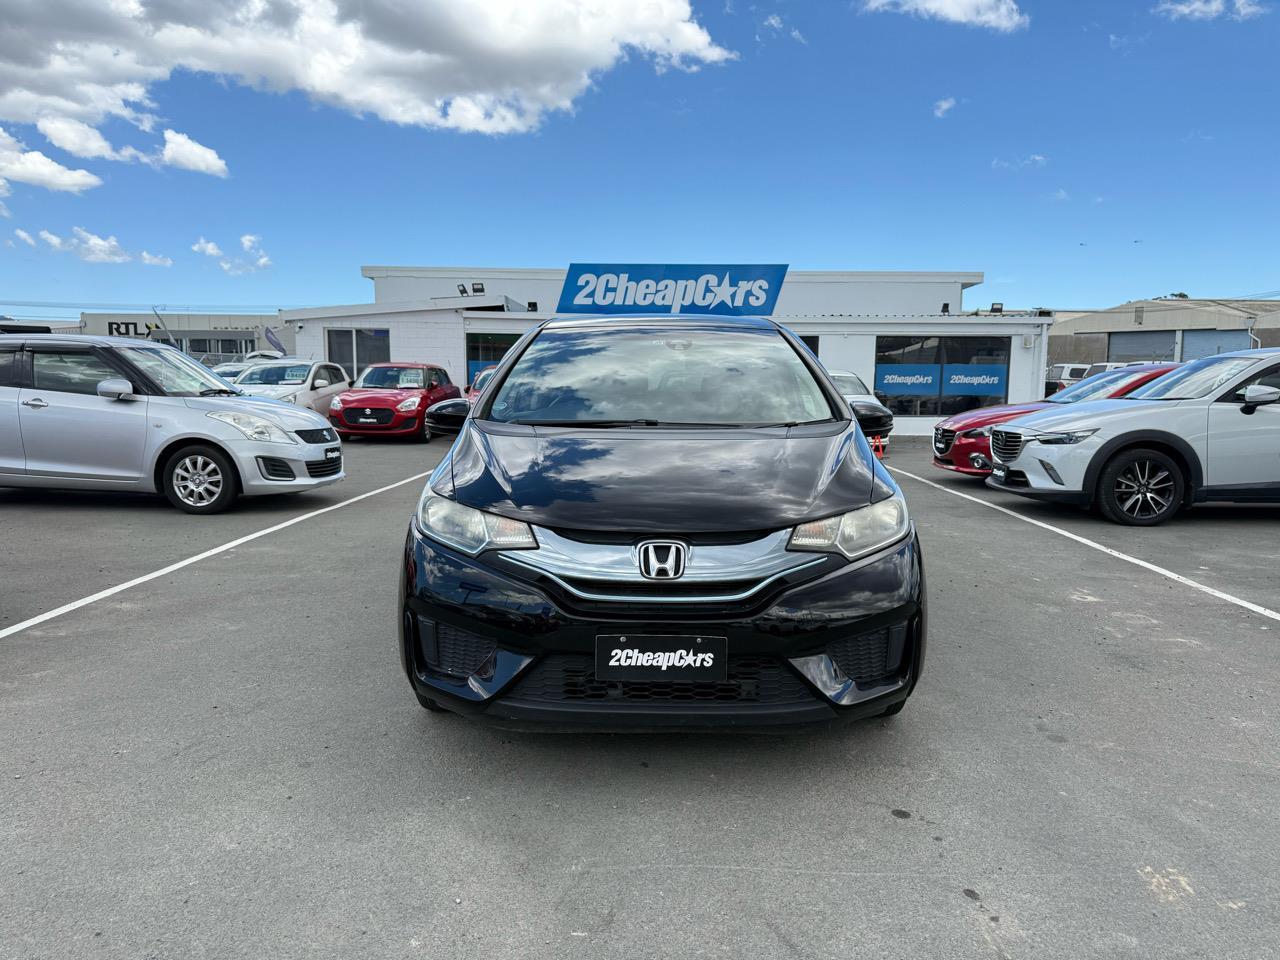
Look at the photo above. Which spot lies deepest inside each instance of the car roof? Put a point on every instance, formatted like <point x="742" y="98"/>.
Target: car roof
<point x="400" y="363"/>
<point x="679" y="320"/>
<point x="80" y="339"/>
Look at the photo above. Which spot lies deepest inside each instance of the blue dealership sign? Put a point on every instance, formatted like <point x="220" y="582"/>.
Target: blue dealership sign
<point x="908" y="379"/>
<point x="723" y="289"/>
<point x="974" y="379"/>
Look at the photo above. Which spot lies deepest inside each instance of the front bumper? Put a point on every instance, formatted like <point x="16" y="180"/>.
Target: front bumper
<point x="1051" y="472"/>
<point x="267" y="468"/>
<point x="968" y="455"/>
<point x="400" y="424"/>
<point x="483" y="642"/>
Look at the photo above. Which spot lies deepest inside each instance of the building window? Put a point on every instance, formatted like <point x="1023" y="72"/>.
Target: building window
<point x="939" y="376"/>
<point x="354" y="350"/>
<point x="486" y="349"/>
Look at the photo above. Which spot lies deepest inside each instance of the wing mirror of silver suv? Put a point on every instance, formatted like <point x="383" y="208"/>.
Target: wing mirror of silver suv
<point x="1256" y="395"/>
<point x="117" y="388"/>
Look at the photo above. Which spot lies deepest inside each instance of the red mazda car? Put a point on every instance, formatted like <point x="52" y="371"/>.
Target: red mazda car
<point x="391" y="399"/>
<point x="962" y="443"/>
<point x="479" y="383"/>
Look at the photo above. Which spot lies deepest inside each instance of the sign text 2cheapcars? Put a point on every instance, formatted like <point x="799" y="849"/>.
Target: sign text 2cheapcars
<point x="724" y="289"/>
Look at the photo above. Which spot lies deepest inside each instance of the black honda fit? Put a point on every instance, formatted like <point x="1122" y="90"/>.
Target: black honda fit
<point x="661" y="522"/>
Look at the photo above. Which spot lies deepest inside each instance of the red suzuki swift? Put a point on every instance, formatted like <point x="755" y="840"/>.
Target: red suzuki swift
<point x="962" y="443"/>
<point x="391" y="399"/>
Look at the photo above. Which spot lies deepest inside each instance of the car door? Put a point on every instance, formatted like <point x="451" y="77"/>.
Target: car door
<point x="13" y="460"/>
<point x="439" y="387"/>
<point x="317" y="397"/>
<point x="70" y="432"/>
<point x="1244" y="448"/>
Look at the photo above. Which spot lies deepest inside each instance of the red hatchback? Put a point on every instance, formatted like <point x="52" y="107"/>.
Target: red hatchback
<point x="391" y="399"/>
<point x="962" y="443"/>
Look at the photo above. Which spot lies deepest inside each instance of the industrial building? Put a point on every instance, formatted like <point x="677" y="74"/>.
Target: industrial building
<point x="209" y="337"/>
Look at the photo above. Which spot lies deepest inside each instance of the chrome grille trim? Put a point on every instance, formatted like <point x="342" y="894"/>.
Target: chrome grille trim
<point x="1006" y="445"/>
<point x="943" y="440"/>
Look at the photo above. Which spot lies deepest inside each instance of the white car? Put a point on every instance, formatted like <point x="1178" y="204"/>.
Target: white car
<point x="1208" y="431"/>
<point x="307" y="383"/>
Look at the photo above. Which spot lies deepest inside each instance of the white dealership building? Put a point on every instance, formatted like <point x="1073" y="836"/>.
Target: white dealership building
<point x="906" y="334"/>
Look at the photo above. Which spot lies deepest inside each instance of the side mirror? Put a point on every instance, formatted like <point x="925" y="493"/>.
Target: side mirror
<point x="117" y="388"/>
<point x="317" y="384"/>
<point x="1255" y="395"/>
<point x="448" y="416"/>
<point x="351" y="383"/>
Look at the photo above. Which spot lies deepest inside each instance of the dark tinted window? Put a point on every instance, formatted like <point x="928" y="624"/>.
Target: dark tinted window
<point x="69" y="372"/>
<point x="8" y="367"/>
<point x="670" y="374"/>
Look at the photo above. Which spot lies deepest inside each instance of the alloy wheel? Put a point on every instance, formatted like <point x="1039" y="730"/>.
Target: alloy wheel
<point x="197" y="480"/>
<point x="1144" y="489"/>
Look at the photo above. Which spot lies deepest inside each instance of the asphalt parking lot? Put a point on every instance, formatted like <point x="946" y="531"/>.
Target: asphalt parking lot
<point x="226" y="760"/>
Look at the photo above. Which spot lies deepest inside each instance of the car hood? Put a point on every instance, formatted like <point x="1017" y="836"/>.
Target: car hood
<point x="1084" y="415"/>
<point x="378" y="396"/>
<point x="973" y="419"/>
<point x="668" y="481"/>
<point x="268" y="390"/>
<point x="284" y="415"/>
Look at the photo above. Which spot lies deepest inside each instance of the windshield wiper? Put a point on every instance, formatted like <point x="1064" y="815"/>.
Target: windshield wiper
<point x="219" y="392"/>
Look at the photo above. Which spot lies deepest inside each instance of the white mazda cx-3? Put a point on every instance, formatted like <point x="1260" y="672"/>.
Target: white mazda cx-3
<point x="1208" y="431"/>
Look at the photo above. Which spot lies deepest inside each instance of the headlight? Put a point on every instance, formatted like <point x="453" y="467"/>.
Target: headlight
<point x="857" y="533"/>
<point x="980" y="432"/>
<point x="255" y="428"/>
<point x="471" y="531"/>
<point x="336" y="403"/>
<point x="291" y="398"/>
<point x="1074" y="436"/>
<point x="406" y="406"/>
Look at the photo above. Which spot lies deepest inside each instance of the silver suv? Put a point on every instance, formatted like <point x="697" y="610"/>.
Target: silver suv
<point x="1207" y="431"/>
<point x="112" y="413"/>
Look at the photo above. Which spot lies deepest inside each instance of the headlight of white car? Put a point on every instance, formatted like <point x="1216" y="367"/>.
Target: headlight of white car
<point x="858" y="532"/>
<point x="469" y="530"/>
<point x="409" y="405"/>
<point x="1074" y="436"/>
<point x="336" y="403"/>
<point x="255" y="428"/>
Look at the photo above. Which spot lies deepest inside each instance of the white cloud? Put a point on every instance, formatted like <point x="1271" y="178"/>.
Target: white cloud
<point x="181" y="151"/>
<point x="773" y="22"/>
<point x="492" y="66"/>
<point x="155" y="260"/>
<point x="207" y="247"/>
<point x="1209" y="9"/>
<point x="258" y="259"/>
<point x="797" y="36"/>
<point x="25" y="237"/>
<point x="33" y="167"/>
<point x="943" y="107"/>
<point x="1061" y="195"/>
<point x="87" y="246"/>
<point x="75" y="137"/>
<point x="1034" y="160"/>
<point x="1002" y="15"/>
<point x="4" y="210"/>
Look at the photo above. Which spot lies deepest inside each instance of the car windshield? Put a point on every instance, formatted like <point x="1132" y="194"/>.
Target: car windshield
<point x="660" y="374"/>
<point x="1098" y="386"/>
<point x="176" y="373"/>
<point x="1197" y="379"/>
<point x="392" y="378"/>
<point x="848" y="384"/>
<point x="271" y="374"/>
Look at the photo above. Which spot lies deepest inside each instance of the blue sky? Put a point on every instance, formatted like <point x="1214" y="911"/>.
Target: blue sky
<point x="1080" y="153"/>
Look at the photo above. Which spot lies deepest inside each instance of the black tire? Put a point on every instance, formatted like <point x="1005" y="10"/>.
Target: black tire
<point x="200" y="479"/>
<point x="893" y="709"/>
<point x="429" y="704"/>
<point x="423" y="435"/>
<point x="1140" y="488"/>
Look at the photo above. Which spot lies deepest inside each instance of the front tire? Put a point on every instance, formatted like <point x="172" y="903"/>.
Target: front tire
<point x="1140" y="488"/>
<point x="424" y="431"/>
<point x="200" y="479"/>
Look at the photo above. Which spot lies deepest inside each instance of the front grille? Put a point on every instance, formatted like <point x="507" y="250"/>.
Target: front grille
<point x="326" y="435"/>
<point x="942" y="440"/>
<point x="361" y="416"/>
<point x="273" y="468"/>
<point x="570" y="677"/>
<point x="649" y="589"/>
<point x="1005" y="445"/>
<point x="324" y="468"/>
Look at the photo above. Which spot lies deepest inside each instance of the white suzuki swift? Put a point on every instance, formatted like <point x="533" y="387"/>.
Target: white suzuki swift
<point x="1208" y="431"/>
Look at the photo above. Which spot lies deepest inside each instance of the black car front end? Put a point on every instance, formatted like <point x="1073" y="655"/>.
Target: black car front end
<point x="684" y="561"/>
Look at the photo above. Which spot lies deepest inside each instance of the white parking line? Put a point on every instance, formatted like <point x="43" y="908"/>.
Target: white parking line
<point x="213" y="552"/>
<point x="1176" y="577"/>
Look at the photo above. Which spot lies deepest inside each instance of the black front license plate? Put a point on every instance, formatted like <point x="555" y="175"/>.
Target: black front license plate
<point x="672" y="659"/>
<point x="333" y="453"/>
<point x="1000" y="472"/>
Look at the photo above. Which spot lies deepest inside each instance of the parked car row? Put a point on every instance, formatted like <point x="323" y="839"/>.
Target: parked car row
<point x="1138" y="445"/>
